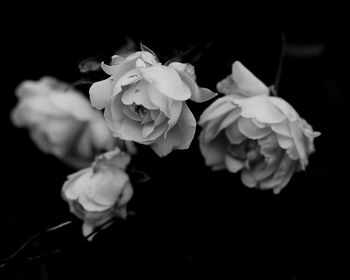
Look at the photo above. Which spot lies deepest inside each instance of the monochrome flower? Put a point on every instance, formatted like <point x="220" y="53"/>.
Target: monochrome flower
<point x="144" y="101"/>
<point x="100" y="192"/>
<point x="249" y="131"/>
<point x="61" y="121"/>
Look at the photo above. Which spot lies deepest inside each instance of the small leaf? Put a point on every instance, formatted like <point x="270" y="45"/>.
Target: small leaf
<point x="138" y="176"/>
<point x="90" y="64"/>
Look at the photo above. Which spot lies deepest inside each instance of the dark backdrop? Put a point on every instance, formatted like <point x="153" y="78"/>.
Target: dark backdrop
<point x="184" y="211"/>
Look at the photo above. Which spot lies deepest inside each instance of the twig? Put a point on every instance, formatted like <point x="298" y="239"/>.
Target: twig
<point x="280" y="64"/>
<point x="4" y="262"/>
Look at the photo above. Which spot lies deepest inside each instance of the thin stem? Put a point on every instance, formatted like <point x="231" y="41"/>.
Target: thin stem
<point x="5" y="261"/>
<point x="280" y="64"/>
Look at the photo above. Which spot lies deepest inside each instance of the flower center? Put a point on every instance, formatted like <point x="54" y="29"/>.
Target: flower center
<point x="140" y="110"/>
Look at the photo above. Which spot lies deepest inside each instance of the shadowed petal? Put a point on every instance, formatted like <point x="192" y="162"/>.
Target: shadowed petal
<point x="250" y="130"/>
<point x="100" y="93"/>
<point x="138" y="94"/>
<point x="260" y="108"/>
<point x="233" y="165"/>
<point x="214" y="152"/>
<point x="180" y="137"/>
<point x="234" y="135"/>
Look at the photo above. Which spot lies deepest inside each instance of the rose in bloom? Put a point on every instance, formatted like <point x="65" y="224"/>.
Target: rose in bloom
<point x="249" y="131"/>
<point x="144" y="101"/>
<point x="100" y="192"/>
<point x="61" y="122"/>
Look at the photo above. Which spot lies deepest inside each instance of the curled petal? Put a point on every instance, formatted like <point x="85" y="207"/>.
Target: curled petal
<point x="250" y="130"/>
<point x="197" y="94"/>
<point x="234" y="135"/>
<point x="282" y="128"/>
<point x="281" y="177"/>
<point x="285" y="108"/>
<point x="128" y="78"/>
<point x="73" y="187"/>
<point x="107" y="193"/>
<point x="175" y="111"/>
<point x="73" y="104"/>
<point x="159" y="100"/>
<point x="138" y="94"/>
<point x="214" y="109"/>
<point x="300" y="143"/>
<point x="260" y="108"/>
<point x="246" y="80"/>
<point x="233" y="165"/>
<point x="119" y="66"/>
<point x="100" y="93"/>
<point x="214" y="152"/>
<point x="180" y="136"/>
<point x="284" y="141"/>
<point x="167" y="81"/>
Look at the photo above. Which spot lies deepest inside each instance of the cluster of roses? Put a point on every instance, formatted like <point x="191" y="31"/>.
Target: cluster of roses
<point x="144" y="101"/>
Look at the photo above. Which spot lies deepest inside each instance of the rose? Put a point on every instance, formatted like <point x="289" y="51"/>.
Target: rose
<point x="61" y="121"/>
<point x="100" y="192"/>
<point x="259" y="135"/>
<point x="144" y="101"/>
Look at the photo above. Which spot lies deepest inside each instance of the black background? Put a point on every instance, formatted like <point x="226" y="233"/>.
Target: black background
<point x="184" y="211"/>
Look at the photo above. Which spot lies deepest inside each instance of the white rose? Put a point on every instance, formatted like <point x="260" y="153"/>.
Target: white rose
<point x="259" y="135"/>
<point x="61" y="121"/>
<point x="144" y="101"/>
<point x="100" y="192"/>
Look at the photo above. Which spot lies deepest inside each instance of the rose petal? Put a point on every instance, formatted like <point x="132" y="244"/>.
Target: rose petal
<point x="234" y="135"/>
<point x="131" y="130"/>
<point x="214" y="152"/>
<point x="214" y="107"/>
<point x="119" y="66"/>
<point x="247" y="81"/>
<point x="282" y="128"/>
<point x="159" y="99"/>
<point x="213" y="128"/>
<point x="233" y="165"/>
<point x="76" y="183"/>
<point x="220" y="110"/>
<point x="230" y="118"/>
<point x="180" y="137"/>
<point x="260" y="108"/>
<point x="262" y="170"/>
<point x="90" y="205"/>
<point x="250" y="130"/>
<point x="285" y="108"/>
<point x="147" y="129"/>
<point x="197" y="94"/>
<point x="100" y="93"/>
<point x="284" y="141"/>
<point x="128" y="78"/>
<point x="138" y="94"/>
<point x="74" y="104"/>
<point x="107" y="186"/>
<point x="300" y="143"/>
<point x="129" y="111"/>
<point x="125" y="195"/>
<point x="167" y="81"/>
<point x="175" y="111"/>
<point x="268" y="145"/>
<point x="281" y="177"/>
<point x="60" y="130"/>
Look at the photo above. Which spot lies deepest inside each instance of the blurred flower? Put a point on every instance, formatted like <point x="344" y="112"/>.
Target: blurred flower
<point x="144" y="101"/>
<point x="61" y="121"/>
<point x="249" y="131"/>
<point x="100" y="192"/>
